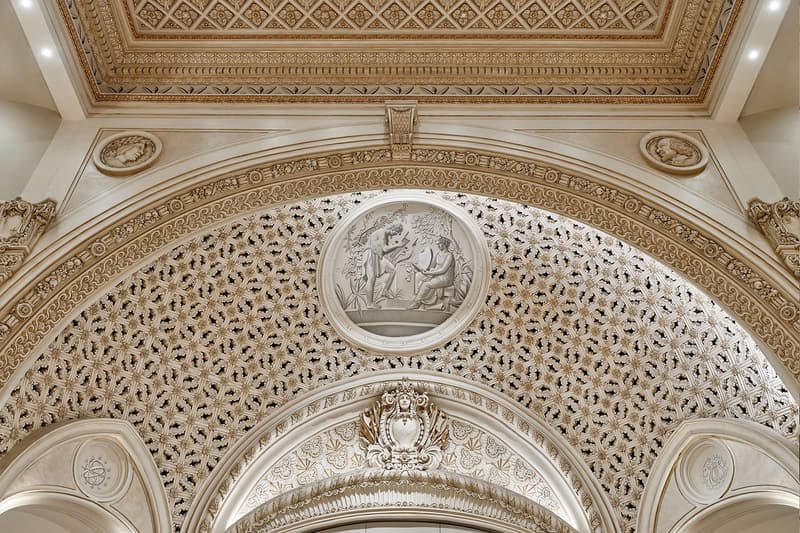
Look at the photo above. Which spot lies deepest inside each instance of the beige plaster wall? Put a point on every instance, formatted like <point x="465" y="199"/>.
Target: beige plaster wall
<point x="25" y="133"/>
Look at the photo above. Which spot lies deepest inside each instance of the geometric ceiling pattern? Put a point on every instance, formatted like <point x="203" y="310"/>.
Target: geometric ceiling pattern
<point x="606" y="346"/>
<point x="603" y="51"/>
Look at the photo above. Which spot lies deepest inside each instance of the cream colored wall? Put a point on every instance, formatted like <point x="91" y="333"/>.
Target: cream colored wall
<point x="25" y="133"/>
<point x="771" y="116"/>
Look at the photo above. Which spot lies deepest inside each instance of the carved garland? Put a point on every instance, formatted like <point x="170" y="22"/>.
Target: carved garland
<point x="771" y="313"/>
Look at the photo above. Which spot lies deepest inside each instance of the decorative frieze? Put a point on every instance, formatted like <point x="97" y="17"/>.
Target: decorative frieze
<point x="780" y="223"/>
<point x="21" y="225"/>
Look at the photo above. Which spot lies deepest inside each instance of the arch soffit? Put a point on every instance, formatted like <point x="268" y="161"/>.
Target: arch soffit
<point x="689" y="432"/>
<point x="214" y="508"/>
<point x="48" y="298"/>
<point x="12" y="467"/>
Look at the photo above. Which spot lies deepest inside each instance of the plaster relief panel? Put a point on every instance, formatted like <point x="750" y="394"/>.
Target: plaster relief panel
<point x="403" y="273"/>
<point x="102" y="470"/>
<point x="674" y="152"/>
<point x="127" y="153"/>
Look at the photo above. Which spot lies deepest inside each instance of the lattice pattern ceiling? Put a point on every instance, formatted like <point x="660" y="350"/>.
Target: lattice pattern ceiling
<point x="376" y="18"/>
<point x="610" y="348"/>
<point x="604" y="51"/>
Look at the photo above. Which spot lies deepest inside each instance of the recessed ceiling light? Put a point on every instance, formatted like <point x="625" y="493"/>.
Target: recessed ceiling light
<point x="752" y="55"/>
<point x="774" y="5"/>
<point x="46" y="52"/>
<point x="26" y="4"/>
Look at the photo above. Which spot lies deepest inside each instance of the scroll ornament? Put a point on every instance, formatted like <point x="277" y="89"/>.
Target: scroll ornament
<point x="404" y="431"/>
<point x="21" y="225"/>
<point x="780" y="224"/>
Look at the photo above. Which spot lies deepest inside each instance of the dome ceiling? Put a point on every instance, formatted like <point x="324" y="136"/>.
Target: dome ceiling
<point x="608" y="347"/>
<point x="598" y="51"/>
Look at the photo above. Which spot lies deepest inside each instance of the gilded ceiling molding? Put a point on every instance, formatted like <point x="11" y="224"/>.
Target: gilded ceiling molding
<point x="166" y="53"/>
<point x="427" y="493"/>
<point x="770" y="312"/>
<point x="21" y="225"/>
<point x="780" y="224"/>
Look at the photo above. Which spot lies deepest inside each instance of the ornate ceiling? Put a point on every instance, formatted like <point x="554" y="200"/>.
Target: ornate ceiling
<point x="604" y="51"/>
<point x="610" y="348"/>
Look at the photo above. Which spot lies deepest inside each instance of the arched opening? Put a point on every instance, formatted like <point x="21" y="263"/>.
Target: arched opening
<point x="56" y="512"/>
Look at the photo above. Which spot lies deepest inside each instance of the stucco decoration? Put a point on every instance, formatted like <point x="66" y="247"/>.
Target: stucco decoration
<point x="610" y="347"/>
<point x="404" y="430"/>
<point x="429" y="494"/>
<point x="705" y="471"/>
<point x="470" y="451"/>
<point x="674" y="152"/>
<point x="21" y="225"/>
<point x="780" y="223"/>
<point x="102" y="470"/>
<point x="439" y="50"/>
<point x="127" y="153"/>
<point x="403" y="273"/>
<point x="97" y="470"/>
<point x="713" y="469"/>
<point x="401" y="119"/>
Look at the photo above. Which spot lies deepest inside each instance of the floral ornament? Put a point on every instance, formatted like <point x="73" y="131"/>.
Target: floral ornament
<point x="404" y="431"/>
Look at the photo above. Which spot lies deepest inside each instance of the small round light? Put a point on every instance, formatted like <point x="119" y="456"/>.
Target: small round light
<point x="752" y="55"/>
<point x="774" y="5"/>
<point x="26" y="4"/>
<point x="46" y="52"/>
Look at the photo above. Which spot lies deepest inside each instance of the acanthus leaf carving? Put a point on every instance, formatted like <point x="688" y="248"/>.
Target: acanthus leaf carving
<point x="780" y="223"/>
<point x="21" y="225"/>
<point x="404" y="431"/>
<point x="401" y="118"/>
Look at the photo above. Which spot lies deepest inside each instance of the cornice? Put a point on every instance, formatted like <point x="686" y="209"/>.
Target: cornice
<point x="179" y="70"/>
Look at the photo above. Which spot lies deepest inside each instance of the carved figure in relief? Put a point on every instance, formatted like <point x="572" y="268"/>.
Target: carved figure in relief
<point x="380" y="260"/>
<point x="126" y="152"/>
<point x="404" y="270"/>
<point x="404" y="431"/>
<point x="676" y="152"/>
<point x="440" y="276"/>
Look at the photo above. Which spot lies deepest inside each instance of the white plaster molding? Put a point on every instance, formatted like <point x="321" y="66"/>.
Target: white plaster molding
<point x="674" y="152"/>
<point x="126" y="153"/>
<point x="222" y="493"/>
<point x="93" y="437"/>
<point x="356" y="496"/>
<point x="692" y="432"/>
<point x="396" y="260"/>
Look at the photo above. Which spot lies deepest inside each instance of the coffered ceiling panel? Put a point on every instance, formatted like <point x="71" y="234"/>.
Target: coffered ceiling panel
<point x="604" y="51"/>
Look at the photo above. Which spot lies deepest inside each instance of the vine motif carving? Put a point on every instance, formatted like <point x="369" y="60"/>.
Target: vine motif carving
<point x="21" y="225"/>
<point x="780" y="224"/>
<point x="404" y="431"/>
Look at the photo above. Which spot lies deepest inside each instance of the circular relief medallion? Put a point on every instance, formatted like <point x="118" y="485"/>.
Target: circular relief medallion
<point x="403" y="273"/>
<point x="674" y="152"/>
<point x="127" y="153"/>
<point x="101" y="470"/>
<point x="705" y="471"/>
